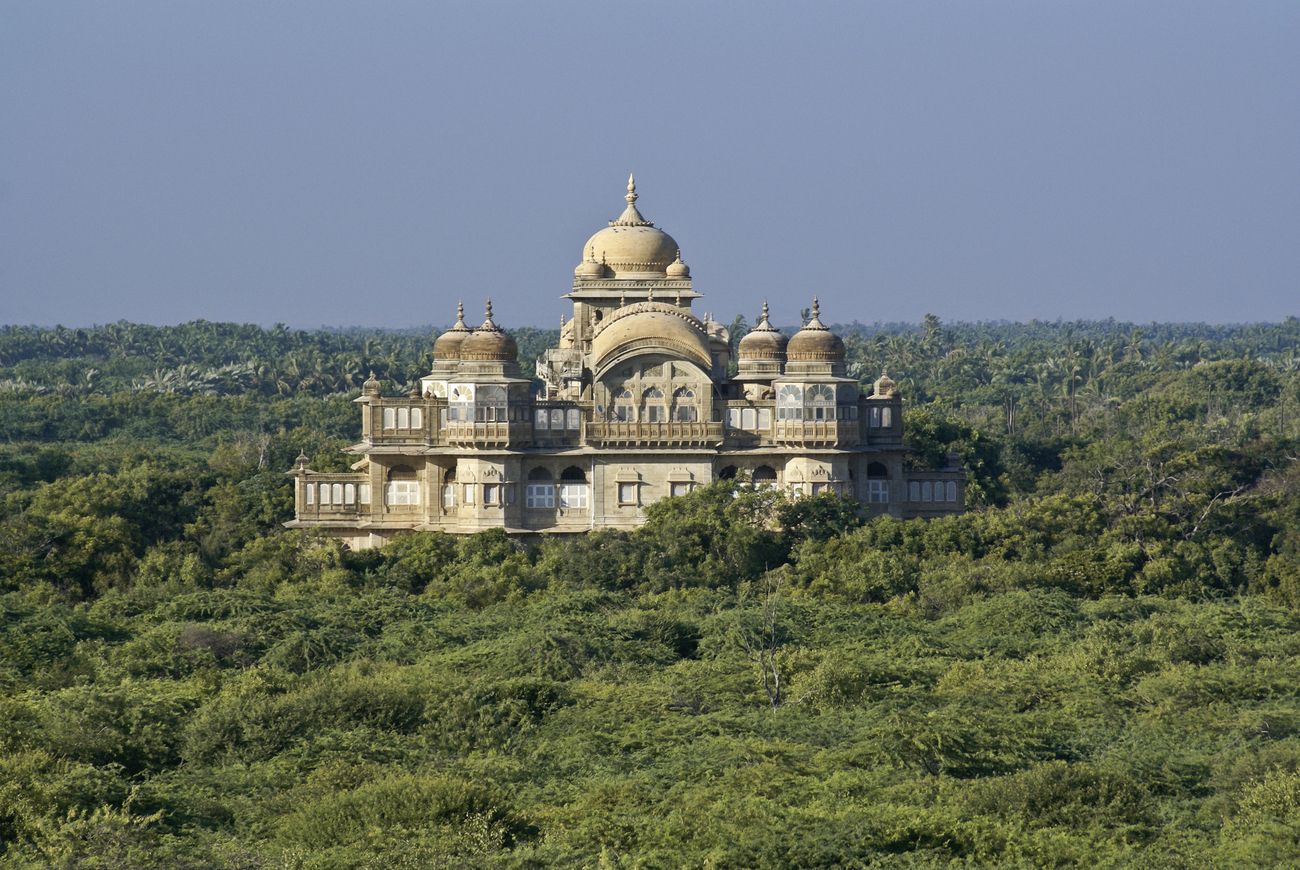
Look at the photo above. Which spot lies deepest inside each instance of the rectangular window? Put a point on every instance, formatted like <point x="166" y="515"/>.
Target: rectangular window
<point x="491" y="493"/>
<point x="927" y="491"/>
<point x="627" y="493"/>
<point x="390" y="418"/>
<point x="324" y="493"/>
<point x="448" y="496"/>
<point x="914" y="491"/>
<point x="469" y="493"/>
<point x="557" y="419"/>
<point x="654" y="413"/>
<point x="337" y="495"/>
<point x="951" y="490"/>
<point x="539" y="495"/>
<point x="886" y="418"/>
<point x="873" y="418"/>
<point x="878" y="491"/>
<point x="764" y="419"/>
<point x="442" y="418"/>
<point x="679" y="489"/>
<point x="363" y="493"/>
<point x="539" y="418"/>
<point x="819" y="488"/>
<point x="349" y="493"/>
<point x="733" y="418"/>
<point x="402" y="493"/>
<point x="572" y="419"/>
<point x="748" y="419"/>
<point x="417" y="418"/>
<point x="311" y="493"/>
<point x="403" y="418"/>
<point x="573" y="495"/>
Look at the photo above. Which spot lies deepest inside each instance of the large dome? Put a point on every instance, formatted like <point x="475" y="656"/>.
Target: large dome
<point x="649" y="327"/>
<point x="631" y="246"/>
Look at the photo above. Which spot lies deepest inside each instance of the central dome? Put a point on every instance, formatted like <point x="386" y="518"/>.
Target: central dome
<point x="632" y="247"/>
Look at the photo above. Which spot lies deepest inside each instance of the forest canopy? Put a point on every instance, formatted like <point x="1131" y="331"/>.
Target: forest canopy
<point x="1099" y="665"/>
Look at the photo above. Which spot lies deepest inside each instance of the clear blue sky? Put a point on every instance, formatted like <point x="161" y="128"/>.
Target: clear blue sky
<point x="370" y="163"/>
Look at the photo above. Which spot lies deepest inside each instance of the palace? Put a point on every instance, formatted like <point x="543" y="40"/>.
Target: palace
<point x="637" y="403"/>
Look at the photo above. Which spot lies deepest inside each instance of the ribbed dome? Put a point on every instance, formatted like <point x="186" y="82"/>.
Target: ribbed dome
<point x="371" y="387"/>
<point x="631" y="246"/>
<point x="489" y="343"/>
<point x="815" y="343"/>
<point x="764" y="341"/>
<point x="448" y="345"/>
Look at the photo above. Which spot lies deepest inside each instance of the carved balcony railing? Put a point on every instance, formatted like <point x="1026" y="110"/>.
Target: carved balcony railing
<point x="465" y="433"/>
<point x="673" y="433"/>
<point x="816" y="433"/>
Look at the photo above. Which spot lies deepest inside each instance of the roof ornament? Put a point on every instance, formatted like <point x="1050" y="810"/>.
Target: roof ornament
<point x="488" y="324"/>
<point x="815" y="322"/>
<point x="630" y="216"/>
<point x="679" y="297"/>
<point x="460" y="317"/>
<point x="622" y="298"/>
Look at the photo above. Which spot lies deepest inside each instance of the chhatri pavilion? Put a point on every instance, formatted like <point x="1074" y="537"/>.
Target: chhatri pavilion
<point x="635" y="404"/>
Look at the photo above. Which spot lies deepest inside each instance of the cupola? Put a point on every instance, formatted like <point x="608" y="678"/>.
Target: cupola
<point x="489" y="343"/>
<point x="448" y="345"/>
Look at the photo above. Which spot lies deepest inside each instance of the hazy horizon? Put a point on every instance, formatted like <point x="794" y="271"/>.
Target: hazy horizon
<point x="337" y="166"/>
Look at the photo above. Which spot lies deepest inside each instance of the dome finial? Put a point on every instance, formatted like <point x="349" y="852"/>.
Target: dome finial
<point x="763" y="318"/>
<point x="460" y="315"/>
<point x="631" y="189"/>
<point x="622" y="298"/>
<point x="487" y="308"/>
<point x="816" y="309"/>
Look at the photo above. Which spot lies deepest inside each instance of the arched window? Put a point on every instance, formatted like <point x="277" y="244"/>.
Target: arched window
<point x="539" y="493"/>
<point x="764" y="476"/>
<point x="789" y="402"/>
<point x="652" y="405"/>
<point x="951" y="490"/>
<point x="460" y="404"/>
<point x="684" y="407"/>
<point x="449" y="490"/>
<point x="877" y="483"/>
<point x="403" y="487"/>
<point x="624" y="406"/>
<point x="573" y="488"/>
<point x="727" y="473"/>
<point x="819" y="401"/>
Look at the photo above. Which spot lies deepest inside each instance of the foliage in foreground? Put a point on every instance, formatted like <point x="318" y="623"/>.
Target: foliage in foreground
<point x="1102" y="669"/>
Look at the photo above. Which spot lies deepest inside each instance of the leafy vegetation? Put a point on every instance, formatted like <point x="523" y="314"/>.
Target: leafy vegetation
<point x="1099" y="667"/>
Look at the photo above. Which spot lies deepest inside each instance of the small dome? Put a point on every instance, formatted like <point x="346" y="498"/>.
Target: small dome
<point x="677" y="269"/>
<point x="489" y="343"/>
<point x="815" y="343"/>
<point x="371" y="387"/>
<point x="631" y="246"/>
<point x="590" y="268"/>
<point x="447" y="346"/>
<point x="884" y="387"/>
<point x="764" y="341"/>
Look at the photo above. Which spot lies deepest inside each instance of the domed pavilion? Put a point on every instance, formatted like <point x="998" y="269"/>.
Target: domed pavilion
<point x="641" y="399"/>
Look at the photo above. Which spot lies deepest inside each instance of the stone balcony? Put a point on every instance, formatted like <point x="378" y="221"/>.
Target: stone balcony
<point x="672" y="433"/>
<point x="816" y="433"/>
